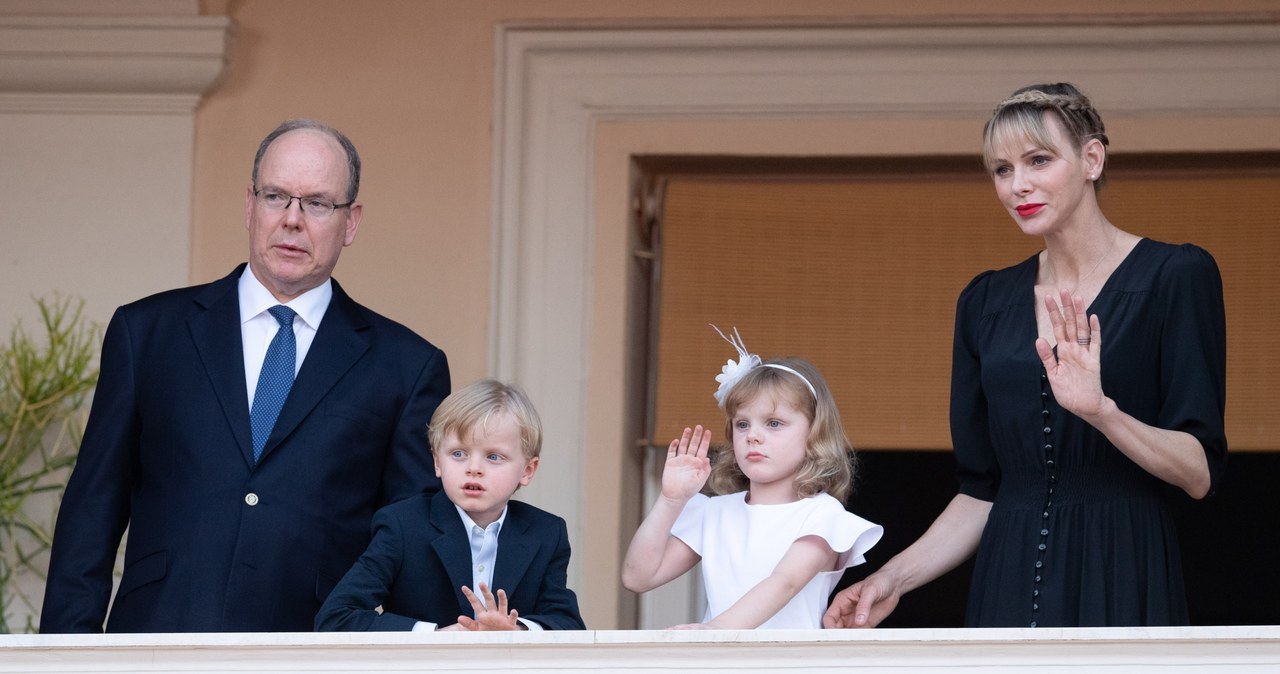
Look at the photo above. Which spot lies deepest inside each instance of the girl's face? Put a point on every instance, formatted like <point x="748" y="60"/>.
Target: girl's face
<point x="770" y="439"/>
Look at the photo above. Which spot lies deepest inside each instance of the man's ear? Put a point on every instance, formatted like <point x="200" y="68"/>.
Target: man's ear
<point x="352" y="223"/>
<point x="248" y="207"/>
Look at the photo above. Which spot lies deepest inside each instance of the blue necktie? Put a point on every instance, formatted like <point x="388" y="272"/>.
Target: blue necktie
<point x="275" y="380"/>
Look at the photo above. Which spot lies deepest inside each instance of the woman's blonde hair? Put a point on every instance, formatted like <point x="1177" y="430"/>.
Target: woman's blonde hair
<point x="482" y="404"/>
<point x="1020" y="118"/>
<point x="830" y="463"/>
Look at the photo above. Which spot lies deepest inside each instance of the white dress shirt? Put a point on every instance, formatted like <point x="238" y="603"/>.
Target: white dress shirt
<point x="257" y="327"/>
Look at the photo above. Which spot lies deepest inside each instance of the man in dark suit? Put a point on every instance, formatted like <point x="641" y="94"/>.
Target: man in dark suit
<point x="246" y="430"/>
<point x="429" y="552"/>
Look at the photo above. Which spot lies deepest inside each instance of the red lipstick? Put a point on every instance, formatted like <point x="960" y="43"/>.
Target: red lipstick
<point x="1027" y="210"/>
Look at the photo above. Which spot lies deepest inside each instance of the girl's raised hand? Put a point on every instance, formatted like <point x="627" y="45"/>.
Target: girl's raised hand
<point x="655" y="556"/>
<point x="1075" y="371"/>
<point x="687" y="466"/>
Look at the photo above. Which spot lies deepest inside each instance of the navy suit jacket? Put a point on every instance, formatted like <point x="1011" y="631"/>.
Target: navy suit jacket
<point x="420" y="558"/>
<point x="217" y="543"/>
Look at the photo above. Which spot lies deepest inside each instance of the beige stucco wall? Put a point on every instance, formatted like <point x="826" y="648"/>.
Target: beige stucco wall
<point x="411" y="82"/>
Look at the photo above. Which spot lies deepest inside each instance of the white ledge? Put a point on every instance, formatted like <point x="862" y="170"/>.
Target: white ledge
<point x="1128" y="650"/>
<point x="78" y="59"/>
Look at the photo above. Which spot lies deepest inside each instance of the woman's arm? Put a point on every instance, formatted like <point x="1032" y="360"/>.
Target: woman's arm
<point x="1173" y="456"/>
<point x="950" y="540"/>
<point x="1075" y="374"/>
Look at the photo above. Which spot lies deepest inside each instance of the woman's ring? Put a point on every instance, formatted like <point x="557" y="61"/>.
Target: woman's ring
<point x="1082" y="341"/>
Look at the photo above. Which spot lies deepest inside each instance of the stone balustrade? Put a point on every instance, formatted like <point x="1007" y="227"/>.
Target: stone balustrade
<point x="901" y="651"/>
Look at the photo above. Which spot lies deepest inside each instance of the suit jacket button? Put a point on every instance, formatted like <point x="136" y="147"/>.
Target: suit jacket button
<point x="251" y="499"/>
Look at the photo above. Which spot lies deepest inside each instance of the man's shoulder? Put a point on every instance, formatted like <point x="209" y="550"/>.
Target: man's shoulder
<point x="165" y="301"/>
<point x="362" y="317"/>
<point x="418" y="504"/>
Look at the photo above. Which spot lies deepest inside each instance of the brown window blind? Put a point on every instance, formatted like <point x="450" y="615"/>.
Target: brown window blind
<point x="859" y="273"/>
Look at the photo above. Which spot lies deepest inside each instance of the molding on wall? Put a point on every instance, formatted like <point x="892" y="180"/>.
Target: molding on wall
<point x="99" y="104"/>
<point x="1027" y="22"/>
<point x="110" y="64"/>
<point x="555" y="83"/>
<point x="100" y="7"/>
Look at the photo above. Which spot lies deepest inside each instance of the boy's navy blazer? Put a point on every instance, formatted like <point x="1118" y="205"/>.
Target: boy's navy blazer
<point x="420" y="558"/>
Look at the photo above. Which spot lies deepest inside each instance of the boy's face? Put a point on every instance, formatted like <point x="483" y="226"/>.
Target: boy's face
<point x="481" y="471"/>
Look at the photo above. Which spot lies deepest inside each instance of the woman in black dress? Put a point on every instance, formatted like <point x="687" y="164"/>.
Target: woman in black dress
<point x="1085" y="380"/>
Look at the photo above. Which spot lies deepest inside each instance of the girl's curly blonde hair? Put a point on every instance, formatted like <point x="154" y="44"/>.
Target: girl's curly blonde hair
<point x="830" y="462"/>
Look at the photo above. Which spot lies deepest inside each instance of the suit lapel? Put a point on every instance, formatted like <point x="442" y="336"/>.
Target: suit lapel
<point x="215" y="329"/>
<point x="516" y="548"/>
<point x="452" y="545"/>
<point x="336" y="348"/>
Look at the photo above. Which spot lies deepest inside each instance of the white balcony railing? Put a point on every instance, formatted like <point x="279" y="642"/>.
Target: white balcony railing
<point x="1127" y="650"/>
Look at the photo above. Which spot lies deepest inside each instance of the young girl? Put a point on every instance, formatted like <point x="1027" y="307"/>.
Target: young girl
<point x="775" y="541"/>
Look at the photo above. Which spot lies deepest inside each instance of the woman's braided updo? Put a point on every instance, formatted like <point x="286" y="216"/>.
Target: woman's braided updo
<point x="1021" y="117"/>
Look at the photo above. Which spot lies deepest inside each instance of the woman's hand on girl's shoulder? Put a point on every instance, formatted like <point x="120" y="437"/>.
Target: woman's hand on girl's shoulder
<point x="687" y="467"/>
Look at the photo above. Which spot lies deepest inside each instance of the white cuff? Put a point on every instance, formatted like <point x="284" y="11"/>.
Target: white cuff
<point x="533" y="626"/>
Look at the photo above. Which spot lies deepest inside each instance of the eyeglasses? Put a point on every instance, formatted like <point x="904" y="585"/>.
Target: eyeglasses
<point x="316" y="207"/>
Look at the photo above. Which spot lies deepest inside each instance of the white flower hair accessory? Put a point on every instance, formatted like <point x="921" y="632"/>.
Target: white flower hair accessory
<point x="733" y="370"/>
<point x="736" y="370"/>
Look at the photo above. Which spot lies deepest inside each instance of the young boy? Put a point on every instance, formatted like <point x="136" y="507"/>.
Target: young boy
<point x="428" y="552"/>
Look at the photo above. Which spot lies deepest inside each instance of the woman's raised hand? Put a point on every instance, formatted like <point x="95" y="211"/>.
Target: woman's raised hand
<point x="1075" y="371"/>
<point x="687" y="466"/>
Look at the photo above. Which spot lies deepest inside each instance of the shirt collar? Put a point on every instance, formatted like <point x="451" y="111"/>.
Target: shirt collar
<point x="255" y="299"/>
<point x="470" y="524"/>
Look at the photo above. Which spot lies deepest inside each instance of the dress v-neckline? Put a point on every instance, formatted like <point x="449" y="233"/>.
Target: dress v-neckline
<point x="1034" y="269"/>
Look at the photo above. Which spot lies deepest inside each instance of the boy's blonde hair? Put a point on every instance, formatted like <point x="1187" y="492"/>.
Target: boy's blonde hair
<point x="829" y="460"/>
<point x="481" y="404"/>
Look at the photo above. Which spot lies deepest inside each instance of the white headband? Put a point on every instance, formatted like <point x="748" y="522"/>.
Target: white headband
<point x="734" y="371"/>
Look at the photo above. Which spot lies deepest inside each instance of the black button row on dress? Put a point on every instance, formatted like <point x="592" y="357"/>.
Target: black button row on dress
<point x="1051" y="479"/>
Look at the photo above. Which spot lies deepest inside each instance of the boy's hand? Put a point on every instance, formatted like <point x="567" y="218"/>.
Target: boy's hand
<point x="492" y="614"/>
<point x="687" y="466"/>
